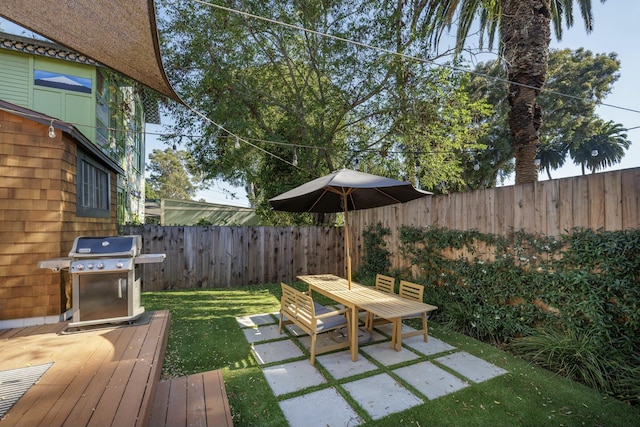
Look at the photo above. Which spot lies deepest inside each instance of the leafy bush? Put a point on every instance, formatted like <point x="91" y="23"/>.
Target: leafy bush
<point x="503" y="288"/>
<point x="375" y="253"/>
<point x="581" y="356"/>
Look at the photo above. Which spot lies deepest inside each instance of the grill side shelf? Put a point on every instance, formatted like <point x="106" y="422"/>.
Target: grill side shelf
<point x="55" y="264"/>
<point x="149" y="258"/>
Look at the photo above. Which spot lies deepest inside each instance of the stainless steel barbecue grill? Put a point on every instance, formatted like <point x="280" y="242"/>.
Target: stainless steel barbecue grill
<point x="105" y="278"/>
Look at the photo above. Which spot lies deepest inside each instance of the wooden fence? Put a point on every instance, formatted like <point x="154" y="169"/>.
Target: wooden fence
<point x="202" y="257"/>
<point x="206" y="257"/>
<point x="608" y="201"/>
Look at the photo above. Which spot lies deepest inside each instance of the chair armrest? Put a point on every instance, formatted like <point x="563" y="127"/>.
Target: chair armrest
<point x="332" y="313"/>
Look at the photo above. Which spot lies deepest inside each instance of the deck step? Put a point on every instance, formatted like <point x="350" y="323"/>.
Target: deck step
<point x="198" y="399"/>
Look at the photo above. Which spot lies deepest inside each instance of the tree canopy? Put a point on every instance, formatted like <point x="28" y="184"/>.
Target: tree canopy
<point x="577" y="82"/>
<point x="169" y="175"/>
<point x="524" y="28"/>
<point x="281" y="106"/>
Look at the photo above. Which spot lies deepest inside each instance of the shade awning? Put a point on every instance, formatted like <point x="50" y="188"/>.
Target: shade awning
<point x="120" y="34"/>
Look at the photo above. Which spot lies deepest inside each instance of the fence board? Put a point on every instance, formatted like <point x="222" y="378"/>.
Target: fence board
<point x="581" y="203"/>
<point x="596" y="201"/>
<point x="612" y="201"/>
<point x="237" y="256"/>
<point x="552" y="209"/>
<point x="630" y="189"/>
<point x="206" y="257"/>
<point x="565" y="206"/>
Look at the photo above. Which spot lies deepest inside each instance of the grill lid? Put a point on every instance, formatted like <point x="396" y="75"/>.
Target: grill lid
<point x="85" y="247"/>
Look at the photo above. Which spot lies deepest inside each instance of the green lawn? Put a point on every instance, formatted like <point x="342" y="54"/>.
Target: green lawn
<point x="204" y="335"/>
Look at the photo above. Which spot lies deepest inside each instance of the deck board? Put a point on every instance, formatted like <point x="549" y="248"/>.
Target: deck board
<point x="217" y="404"/>
<point x="196" y="411"/>
<point x="141" y="378"/>
<point x="197" y="400"/>
<point x="108" y="398"/>
<point x="86" y="361"/>
<point x="160" y="404"/>
<point x="177" y="403"/>
<point x="92" y="371"/>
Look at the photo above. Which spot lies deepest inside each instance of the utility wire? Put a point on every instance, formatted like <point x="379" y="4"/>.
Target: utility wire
<point x="359" y="44"/>
<point x="402" y="55"/>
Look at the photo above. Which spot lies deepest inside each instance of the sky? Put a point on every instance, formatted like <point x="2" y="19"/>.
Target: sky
<point x="615" y="30"/>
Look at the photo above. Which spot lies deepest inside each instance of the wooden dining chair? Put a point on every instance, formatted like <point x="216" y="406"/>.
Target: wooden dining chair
<point x="383" y="284"/>
<point x="414" y="292"/>
<point x="298" y="308"/>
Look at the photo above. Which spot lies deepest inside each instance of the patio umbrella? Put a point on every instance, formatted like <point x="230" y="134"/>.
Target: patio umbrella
<point x="343" y="191"/>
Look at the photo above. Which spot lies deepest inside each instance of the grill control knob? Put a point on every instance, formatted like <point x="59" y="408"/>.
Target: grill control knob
<point x="119" y="265"/>
<point x="100" y="266"/>
<point x="79" y="266"/>
<point x="90" y="266"/>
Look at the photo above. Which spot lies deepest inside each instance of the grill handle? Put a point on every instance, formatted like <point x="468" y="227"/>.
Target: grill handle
<point x="122" y="284"/>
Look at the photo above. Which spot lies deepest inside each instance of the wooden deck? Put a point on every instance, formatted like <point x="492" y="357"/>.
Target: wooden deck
<point x="195" y="400"/>
<point x="103" y="377"/>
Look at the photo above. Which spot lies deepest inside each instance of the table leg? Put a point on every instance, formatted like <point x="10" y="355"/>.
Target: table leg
<point x="397" y="334"/>
<point x="353" y="334"/>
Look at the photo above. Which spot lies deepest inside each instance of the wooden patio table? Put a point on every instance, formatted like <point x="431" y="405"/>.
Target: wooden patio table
<point x="388" y="306"/>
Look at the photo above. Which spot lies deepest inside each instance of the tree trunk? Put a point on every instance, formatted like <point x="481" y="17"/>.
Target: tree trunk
<point x="525" y="36"/>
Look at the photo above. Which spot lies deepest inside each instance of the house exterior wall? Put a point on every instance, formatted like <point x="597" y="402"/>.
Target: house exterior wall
<point x="38" y="217"/>
<point x="110" y="113"/>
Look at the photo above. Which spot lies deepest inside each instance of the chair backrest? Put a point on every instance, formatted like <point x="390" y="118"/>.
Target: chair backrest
<point x="411" y="291"/>
<point x="385" y="283"/>
<point x="297" y="305"/>
<point x="288" y="303"/>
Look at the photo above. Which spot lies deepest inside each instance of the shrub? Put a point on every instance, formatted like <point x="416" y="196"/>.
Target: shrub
<point x="375" y="253"/>
<point x="503" y="288"/>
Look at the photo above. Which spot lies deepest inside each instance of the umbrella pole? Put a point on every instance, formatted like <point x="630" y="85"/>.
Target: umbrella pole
<point x="347" y="239"/>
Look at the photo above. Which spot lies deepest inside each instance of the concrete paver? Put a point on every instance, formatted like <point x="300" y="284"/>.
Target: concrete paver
<point x="431" y="347"/>
<point x="276" y="351"/>
<point x="339" y="365"/>
<point x="255" y="320"/>
<point x="376" y="393"/>
<point x="470" y="366"/>
<point x="430" y="380"/>
<point x="320" y="408"/>
<point x="262" y="333"/>
<point x="386" y="355"/>
<point x="381" y="395"/>
<point x="294" y="376"/>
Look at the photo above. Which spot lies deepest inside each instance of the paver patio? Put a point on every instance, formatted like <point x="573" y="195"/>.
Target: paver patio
<point x="381" y="382"/>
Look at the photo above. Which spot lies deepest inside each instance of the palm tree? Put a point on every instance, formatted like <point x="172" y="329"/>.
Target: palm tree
<point x="525" y="36"/>
<point x="552" y="156"/>
<point x="605" y="147"/>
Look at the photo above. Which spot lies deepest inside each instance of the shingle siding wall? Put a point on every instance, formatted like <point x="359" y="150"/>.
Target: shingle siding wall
<point x="38" y="216"/>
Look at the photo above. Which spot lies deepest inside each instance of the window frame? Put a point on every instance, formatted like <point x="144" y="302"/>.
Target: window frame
<point x="104" y="187"/>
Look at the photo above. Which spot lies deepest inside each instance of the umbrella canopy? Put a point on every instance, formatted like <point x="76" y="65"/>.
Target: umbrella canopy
<point x="361" y="191"/>
<point x="343" y="191"/>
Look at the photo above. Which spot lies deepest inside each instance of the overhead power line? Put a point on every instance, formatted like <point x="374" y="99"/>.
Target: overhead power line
<point x="402" y="55"/>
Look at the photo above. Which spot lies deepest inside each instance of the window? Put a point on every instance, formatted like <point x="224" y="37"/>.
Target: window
<point x="92" y="189"/>
<point x="62" y="81"/>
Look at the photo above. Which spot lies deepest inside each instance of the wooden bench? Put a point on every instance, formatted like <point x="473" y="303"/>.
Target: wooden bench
<point x="313" y="318"/>
<point x="195" y="400"/>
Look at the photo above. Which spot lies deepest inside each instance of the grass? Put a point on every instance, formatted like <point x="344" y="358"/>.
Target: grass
<point x="204" y="335"/>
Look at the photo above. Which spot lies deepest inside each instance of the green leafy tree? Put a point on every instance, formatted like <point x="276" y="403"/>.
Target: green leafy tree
<point x="603" y="148"/>
<point x="525" y="35"/>
<point x="169" y="175"/>
<point x="305" y="104"/>
<point x="586" y="78"/>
